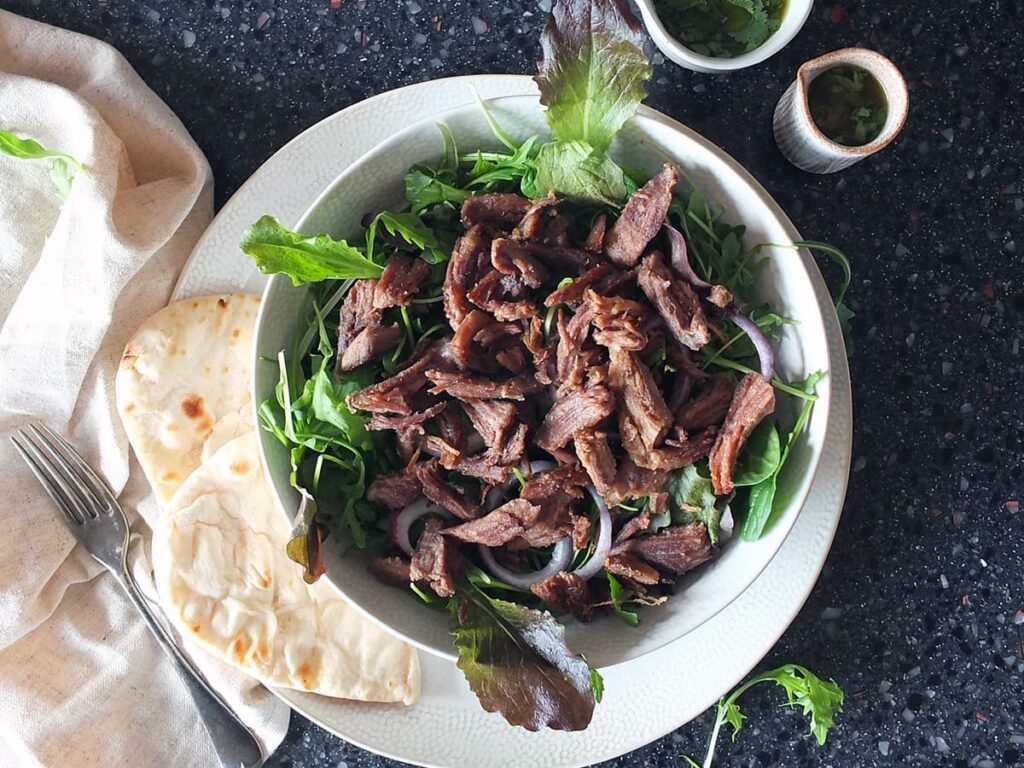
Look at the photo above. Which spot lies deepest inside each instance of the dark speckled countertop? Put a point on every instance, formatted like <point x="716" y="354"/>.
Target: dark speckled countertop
<point x="919" y="614"/>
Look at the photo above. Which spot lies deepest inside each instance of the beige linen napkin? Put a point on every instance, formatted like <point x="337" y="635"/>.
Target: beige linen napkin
<point x="82" y="682"/>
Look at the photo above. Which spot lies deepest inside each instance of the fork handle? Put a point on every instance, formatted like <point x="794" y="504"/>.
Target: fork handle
<point x="234" y="742"/>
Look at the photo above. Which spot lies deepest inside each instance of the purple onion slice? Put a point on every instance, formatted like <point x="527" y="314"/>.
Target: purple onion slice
<point x="561" y="556"/>
<point x="761" y="342"/>
<point x="593" y="566"/>
<point x="402" y="521"/>
<point x="680" y="258"/>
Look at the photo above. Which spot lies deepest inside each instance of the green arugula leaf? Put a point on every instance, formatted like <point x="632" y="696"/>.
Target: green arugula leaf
<point x="615" y="591"/>
<point x="576" y="171"/>
<point x="597" y="685"/>
<point x="760" y="457"/>
<point x="692" y="497"/>
<point x="593" y="70"/>
<point x="425" y="188"/>
<point x="761" y="502"/>
<point x="516" y="662"/>
<point x="410" y="228"/>
<point x="819" y="699"/>
<point x="305" y="259"/>
<point x="62" y="167"/>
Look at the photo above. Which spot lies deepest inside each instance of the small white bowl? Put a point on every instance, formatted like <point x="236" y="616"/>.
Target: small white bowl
<point x="646" y="141"/>
<point x="793" y="20"/>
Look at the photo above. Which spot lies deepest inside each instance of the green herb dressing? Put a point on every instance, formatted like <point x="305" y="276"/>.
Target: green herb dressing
<point x="722" y="28"/>
<point x="848" y="105"/>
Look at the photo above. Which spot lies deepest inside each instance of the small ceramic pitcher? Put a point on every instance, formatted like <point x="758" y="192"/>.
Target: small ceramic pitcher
<point x="804" y="144"/>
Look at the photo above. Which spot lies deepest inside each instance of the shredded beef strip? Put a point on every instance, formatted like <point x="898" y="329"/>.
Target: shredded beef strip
<point x="498" y="527"/>
<point x="452" y="429"/>
<point x="639" y="397"/>
<point x="393" y="571"/>
<point x="400" y="281"/>
<point x="566" y="593"/>
<point x="532" y="223"/>
<point x="621" y="322"/>
<point x="709" y="407"/>
<point x="641" y="218"/>
<point x="461" y="346"/>
<point x="436" y="560"/>
<point x="570" y="360"/>
<point x="380" y="421"/>
<point x="463" y="272"/>
<point x="596" y="457"/>
<point x="657" y="503"/>
<point x="629" y="567"/>
<point x="682" y="454"/>
<point x="452" y="498"/>
<point x="572" y="294"/>
<point x="595" y="239"/>
<point x="395" y="490"/>
<point x="357" y="313"/>
<point x="370" y="345"/>
<point x="753" y="400"/>
<point x="555" y="491"/>
<point x="720" y="296"/>
<point x="496" y="293"/>
<point x="674" y="550"/>
<point x="467" y="387"/>
<point x="410" y="443"/>
<point x="393" y="395"/>
<point x="676" y="302"/>
<point x="513" y="258"/>
<point x="580" y="531"/>
<point x="496" y="208"/>
<point x="575" y="411"/>
<point x="491" y="418"/>
<point x="633" y="481"/>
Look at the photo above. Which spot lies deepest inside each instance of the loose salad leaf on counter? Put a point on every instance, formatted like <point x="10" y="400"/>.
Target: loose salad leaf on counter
<point x="516" y="661"/>
<point x="63" y="166"/>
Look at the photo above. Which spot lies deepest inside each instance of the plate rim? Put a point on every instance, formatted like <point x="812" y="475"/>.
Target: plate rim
<point x="842" y="460"/>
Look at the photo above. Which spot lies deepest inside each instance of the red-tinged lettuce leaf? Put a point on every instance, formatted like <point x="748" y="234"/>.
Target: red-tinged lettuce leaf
<point x="593" y="70"/>
<point x="517" y="663"/>
<point x="305" y="546"/>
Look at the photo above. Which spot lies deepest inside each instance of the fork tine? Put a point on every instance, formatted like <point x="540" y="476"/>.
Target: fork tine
<point x="99" y="494"/>
<point x="46" y="477"/>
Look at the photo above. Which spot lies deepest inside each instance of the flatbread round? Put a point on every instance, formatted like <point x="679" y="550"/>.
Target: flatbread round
<point x="223" y="576"/>
<point x="183" y="385"/>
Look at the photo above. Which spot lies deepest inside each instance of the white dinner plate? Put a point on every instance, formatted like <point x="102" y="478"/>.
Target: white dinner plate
<point x="645" y="698"/>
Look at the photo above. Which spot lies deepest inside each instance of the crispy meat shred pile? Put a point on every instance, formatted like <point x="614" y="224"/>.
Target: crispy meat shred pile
<point x="540" y="368"/>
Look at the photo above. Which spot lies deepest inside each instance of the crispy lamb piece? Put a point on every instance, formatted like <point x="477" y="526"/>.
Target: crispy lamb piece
<point x="577" y="410"/>
<point x="572" y="294"/>
<point x="380" y="421"/>
<point x="580" y="531"/>
<point x="638" y="395"/>
<point x="709" y="407"/>
<point x="498" y="527"/>
<point x="656" y="504"/>
<point x="621" y="322"/>
<point x="461" y="346"/>
<point x="540" y="211"/>
<point x="641" y="219"/>
<point x="452" y="429"/>
<point x="566" y="593"/>
<point x="513" y="258"/>
<point x="400" y="281"/>
<point x="497" y="294"/>
<point x="682" y="454"/>
<point x="596" y="457"/>
<point x="496" y="208"/>
<point x="675" y="301"/>
<point x="395" y="490"/>
<point x="570" y="358"/>
<point x="393" y="571"/>
<point x="674" y="550"/>
<point x="410" y="442"/>
<point x="627" y="566"/>
<point x="543" y="356"/>
<point x="595" y="239"/>
<point x="491" y="418"/>
<point x="451" y="497"/>
<point x="753" y="400"/>
<point x="369" y="344"/>
<point x="357" y="313"/>
<point x="436" y="560"/>
<point x="720" y="296"/>
<point x="633" y="481"/>
<point x="466" y="387"/>
<point x="394" y="395"/>
<point x="554" y="491"/>
<point x="463" y="272"/>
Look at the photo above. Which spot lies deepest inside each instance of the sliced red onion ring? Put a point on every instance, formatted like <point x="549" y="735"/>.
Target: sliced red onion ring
<point x="680" y="258"/>
<point x="402" y="521"/>
<point x="761" y="342"/>
<point x="593" y="566"/>
<point x="561" y="555"/>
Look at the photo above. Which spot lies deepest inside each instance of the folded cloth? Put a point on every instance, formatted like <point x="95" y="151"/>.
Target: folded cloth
<point x="82" y="682"/>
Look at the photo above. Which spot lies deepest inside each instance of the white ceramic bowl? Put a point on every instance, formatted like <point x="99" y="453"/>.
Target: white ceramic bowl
<point x="646" y="142"/>
<point x="793" y="20"/>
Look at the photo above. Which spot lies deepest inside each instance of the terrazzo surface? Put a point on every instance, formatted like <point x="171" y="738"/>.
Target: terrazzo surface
<point x="919" y="614"/>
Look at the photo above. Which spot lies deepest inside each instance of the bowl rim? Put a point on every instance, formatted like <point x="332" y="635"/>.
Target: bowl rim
<point x="674" y="49"/>
<point x="782" y="526"/>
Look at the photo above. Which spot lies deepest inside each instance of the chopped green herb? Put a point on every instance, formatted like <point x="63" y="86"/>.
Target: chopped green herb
<point x="848" y="105"/>
<point x="721" y="28"/>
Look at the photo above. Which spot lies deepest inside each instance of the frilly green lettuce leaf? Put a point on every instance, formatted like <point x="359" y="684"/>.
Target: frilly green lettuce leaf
<point x="578" y="172"/>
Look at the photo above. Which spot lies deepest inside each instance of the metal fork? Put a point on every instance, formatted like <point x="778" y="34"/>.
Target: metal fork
<point x="98" y="522"/>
